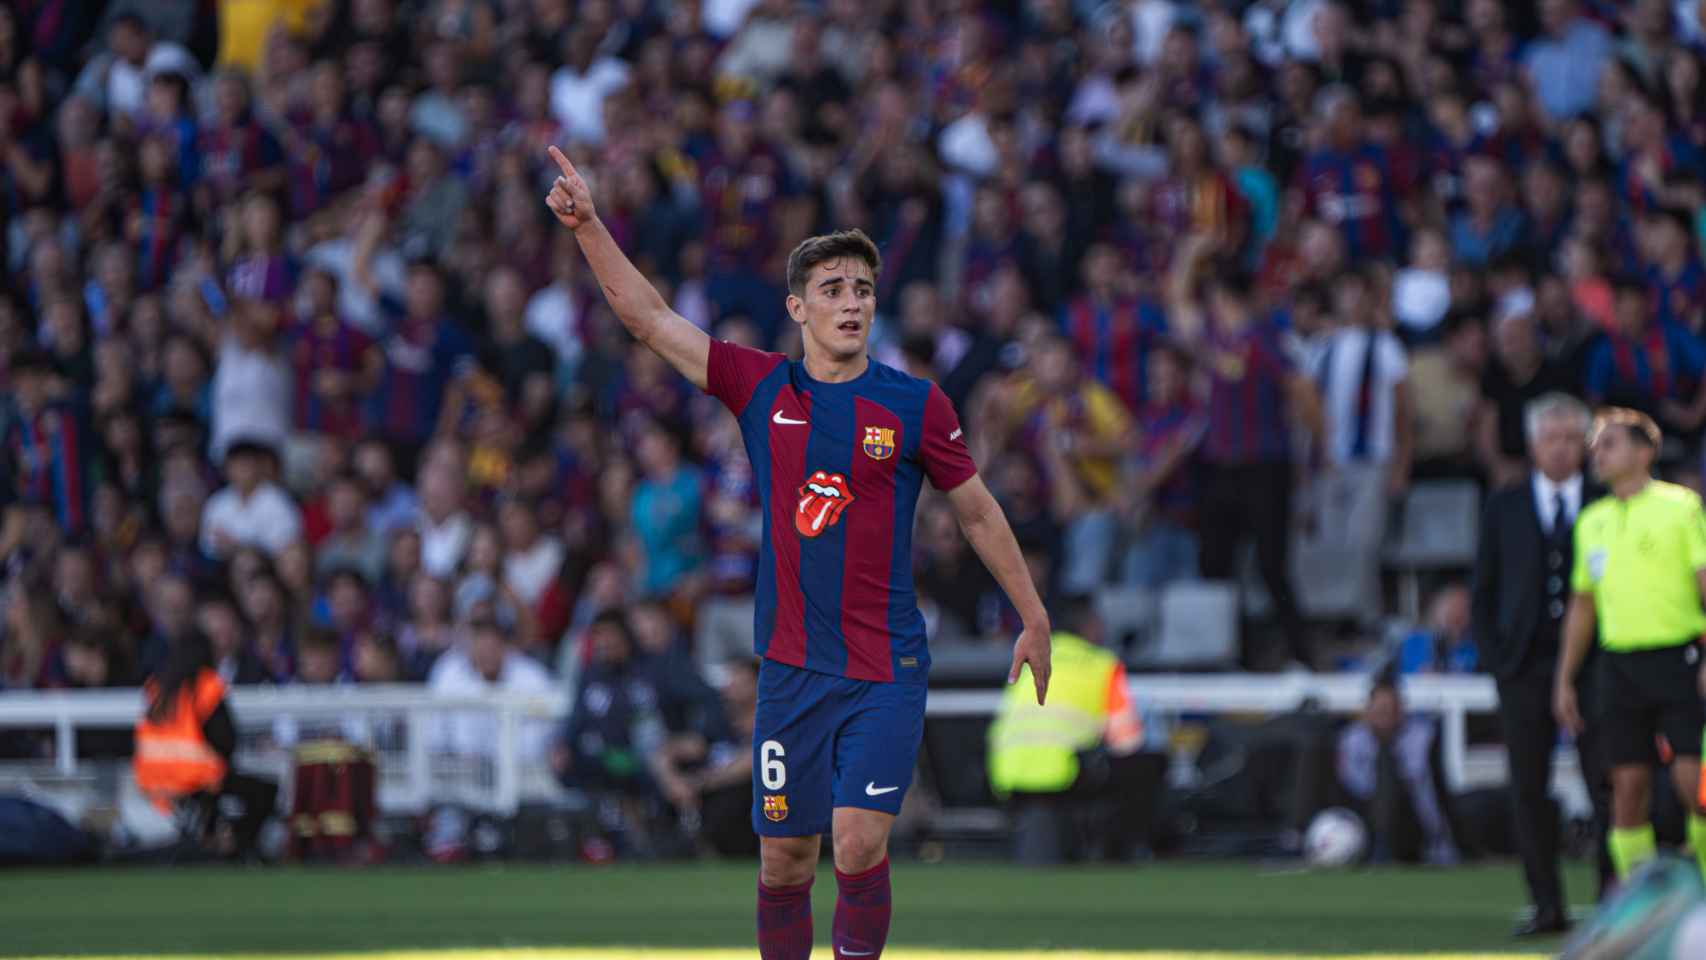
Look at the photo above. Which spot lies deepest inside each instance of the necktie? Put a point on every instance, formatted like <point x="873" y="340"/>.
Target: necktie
<point x="1560" y="519"/>
<point x="1365" y="401"/>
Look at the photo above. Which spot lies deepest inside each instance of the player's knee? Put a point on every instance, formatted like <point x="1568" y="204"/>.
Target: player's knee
<point x="1631" y="795"/>
<point x="787" y="861"/>
<point x="859" y="847"/>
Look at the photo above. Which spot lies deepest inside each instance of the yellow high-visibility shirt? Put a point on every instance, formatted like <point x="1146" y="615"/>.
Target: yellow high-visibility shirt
<point x="1638" y="558"/>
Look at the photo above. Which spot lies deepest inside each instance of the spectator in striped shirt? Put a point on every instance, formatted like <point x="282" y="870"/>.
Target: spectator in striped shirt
<point x="1161" y="490"/>
<point x="1255" y="396"/>
<point x="48" y="444"/>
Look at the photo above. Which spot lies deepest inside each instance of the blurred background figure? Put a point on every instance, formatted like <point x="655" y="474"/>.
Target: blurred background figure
<point x="1389" y="765"/>
<point x="1071" y="771"/>
<point x="184" y="745"/>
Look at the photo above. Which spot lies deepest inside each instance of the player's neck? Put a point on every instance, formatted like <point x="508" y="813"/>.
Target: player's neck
<point x="829" y="370"/>
<point x="1628" y="487"/>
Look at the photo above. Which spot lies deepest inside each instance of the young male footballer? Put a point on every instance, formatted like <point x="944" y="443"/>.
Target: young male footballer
<point x="840" y="447"/>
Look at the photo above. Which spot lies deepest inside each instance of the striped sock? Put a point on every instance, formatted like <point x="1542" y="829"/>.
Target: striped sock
<point x="862" y="913"/>
<point x="785" y="922"/>
<point x="1631" y="847"/>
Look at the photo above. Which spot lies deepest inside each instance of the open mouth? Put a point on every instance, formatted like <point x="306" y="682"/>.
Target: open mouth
<point x="850" y="326"/>
<point x="823" y="498"/>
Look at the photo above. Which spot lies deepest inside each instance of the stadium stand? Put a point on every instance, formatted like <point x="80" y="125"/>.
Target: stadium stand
<point x="294" y="354"/>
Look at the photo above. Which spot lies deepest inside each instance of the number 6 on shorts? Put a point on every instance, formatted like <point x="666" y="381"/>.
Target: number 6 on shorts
<point x="771" y="769"/>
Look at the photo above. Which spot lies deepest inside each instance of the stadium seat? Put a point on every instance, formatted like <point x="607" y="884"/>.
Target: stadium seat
<point x="1436" y="532"/>
<point x="1198" y="627"/>
<point x="1128" y="620"/>
<point x="1324" y="592"/>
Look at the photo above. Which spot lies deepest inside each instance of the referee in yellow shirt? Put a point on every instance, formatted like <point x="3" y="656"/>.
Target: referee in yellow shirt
<point x="1640" y="574"/>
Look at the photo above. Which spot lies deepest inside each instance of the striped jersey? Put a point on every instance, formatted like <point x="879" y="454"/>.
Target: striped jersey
<point x="839" y="467"/>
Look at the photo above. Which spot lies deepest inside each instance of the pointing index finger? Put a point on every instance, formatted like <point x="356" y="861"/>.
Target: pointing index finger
<point x="562" y="161"/>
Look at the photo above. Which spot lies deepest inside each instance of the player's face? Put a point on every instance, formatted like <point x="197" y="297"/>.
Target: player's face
<point x="835" y="312"/>
<point x="1616" y="455"/>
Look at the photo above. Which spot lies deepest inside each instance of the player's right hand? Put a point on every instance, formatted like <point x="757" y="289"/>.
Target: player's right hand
<point x="1565" y="708"/>
<point x="570" y="200"/>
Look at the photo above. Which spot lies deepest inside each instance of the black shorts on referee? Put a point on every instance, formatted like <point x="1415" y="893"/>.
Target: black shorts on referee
<point x="1645" y="694"/>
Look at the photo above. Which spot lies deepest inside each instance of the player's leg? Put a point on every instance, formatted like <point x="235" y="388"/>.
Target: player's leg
<point x="1681" y="722"/>
<point x="875" y="751"/>
<point x="1629" y="726"/>
<point x="791" y="793"/>
<point x="1632" y="840"/>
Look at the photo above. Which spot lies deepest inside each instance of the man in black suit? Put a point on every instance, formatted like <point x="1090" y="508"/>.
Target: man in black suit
<point x="1521" y="593"/>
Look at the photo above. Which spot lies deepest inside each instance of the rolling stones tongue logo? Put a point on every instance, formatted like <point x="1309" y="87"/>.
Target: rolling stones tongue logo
<point x="822" y="500"/>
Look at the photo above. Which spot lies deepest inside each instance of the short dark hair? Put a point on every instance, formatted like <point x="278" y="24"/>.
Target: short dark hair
<point x="1628" y="284"/>
<point x="321" y="640"/>
<point x="1677" y="217"/>
<point x="830" y="246"/>
<point x="1231" y="279"/>
<point x="1074" y="613"/>
<point x="1640" y="427"/>
<point x="1385" y="682"/>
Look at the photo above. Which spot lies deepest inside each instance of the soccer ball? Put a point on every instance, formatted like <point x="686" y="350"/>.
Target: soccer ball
<point x="1335" y="838"/>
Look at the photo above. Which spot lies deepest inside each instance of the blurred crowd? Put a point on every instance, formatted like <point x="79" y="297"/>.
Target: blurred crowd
<point x="294" y="353"/>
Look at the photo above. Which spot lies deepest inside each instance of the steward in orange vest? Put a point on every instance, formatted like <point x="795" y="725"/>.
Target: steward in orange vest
<point x="185" y="737"/>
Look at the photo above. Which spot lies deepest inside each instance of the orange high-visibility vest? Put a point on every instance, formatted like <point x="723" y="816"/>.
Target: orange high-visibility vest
<point x="173" y="758"/>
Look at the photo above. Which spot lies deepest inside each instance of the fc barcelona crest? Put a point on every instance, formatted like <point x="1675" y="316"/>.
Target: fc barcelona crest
<point x="775" y="807"/>
<point x="879" y="442"/>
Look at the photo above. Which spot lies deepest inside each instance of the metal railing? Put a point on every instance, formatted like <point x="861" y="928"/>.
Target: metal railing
<point x="417" y="766"/>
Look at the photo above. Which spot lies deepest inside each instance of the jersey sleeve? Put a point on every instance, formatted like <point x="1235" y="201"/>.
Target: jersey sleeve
<point x="733" y="372"/>
<point x="1694" y="536"/>
<point x="942" y="449"/>
<point x="1580" y="580"/>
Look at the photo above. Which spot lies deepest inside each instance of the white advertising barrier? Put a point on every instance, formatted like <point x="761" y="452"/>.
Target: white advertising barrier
<point x="489" y="752"/>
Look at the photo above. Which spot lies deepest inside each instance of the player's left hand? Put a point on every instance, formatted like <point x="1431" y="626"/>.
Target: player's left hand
<point x="1032" y="648"/>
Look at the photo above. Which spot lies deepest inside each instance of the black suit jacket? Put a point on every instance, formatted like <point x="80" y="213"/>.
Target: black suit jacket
<point x="1510" y="567"/>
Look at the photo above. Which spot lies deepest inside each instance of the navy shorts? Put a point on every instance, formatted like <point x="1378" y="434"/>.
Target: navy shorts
<point x="821" y="742"/>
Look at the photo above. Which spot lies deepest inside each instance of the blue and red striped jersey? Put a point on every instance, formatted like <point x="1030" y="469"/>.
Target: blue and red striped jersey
<point x="49" y="462"/>
<point x="839" y="467"/>
<point x="1113" y="341"/>
<point x="1680" y="299"/>
<point x="1248" y="370"/>
<point x="1360" y="191"/>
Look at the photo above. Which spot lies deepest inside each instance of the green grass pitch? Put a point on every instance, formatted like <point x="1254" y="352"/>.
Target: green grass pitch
<point x="704" y="912"/>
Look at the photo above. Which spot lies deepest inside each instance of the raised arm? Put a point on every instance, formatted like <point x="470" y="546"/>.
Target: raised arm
<point x="635" y="301"/>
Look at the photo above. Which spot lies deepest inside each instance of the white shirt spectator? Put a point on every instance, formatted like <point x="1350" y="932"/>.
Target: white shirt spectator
<point x="554" y="317"/>
<point x="528" y="573"/>
<point x="251" y="397"/>
<point x="967" y="146"/>
<point x="760" y="51"/>
<point x="267" y="519"/>
<point x="577" y="99"/>
<point x="444" y="543"/>
<point x="721" y="18"/>
<point x="1151" y="20"/>
<point x="1420" y="297"/>
<point x="474" y="733"/>
<point x="357" y="306"/>
<point x="1339" y="372"/>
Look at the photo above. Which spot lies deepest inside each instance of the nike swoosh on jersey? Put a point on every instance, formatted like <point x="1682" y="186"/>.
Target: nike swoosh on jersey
<point x="872" y="790"/>
<point x="778" y="418"/>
